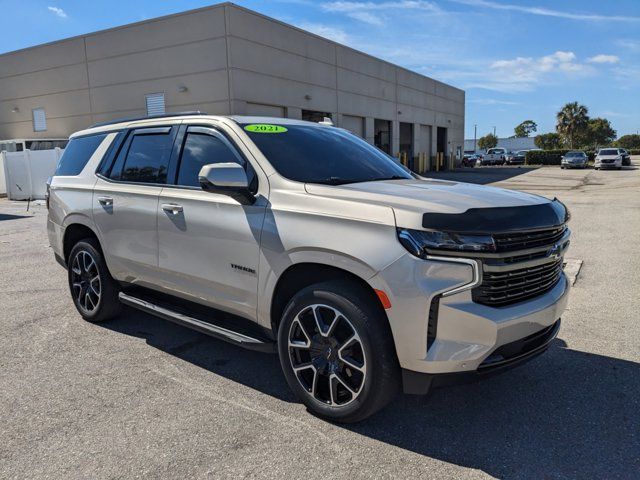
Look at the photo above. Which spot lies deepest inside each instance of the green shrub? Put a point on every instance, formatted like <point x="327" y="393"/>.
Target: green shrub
<point x="544" y="157"/>
<point x="551" y="157"/>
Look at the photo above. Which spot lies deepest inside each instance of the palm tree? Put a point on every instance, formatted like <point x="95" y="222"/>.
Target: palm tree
<point x="571" y="121"/>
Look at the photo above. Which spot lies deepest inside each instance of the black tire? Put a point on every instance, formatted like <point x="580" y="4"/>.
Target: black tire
<point x="363" y="313"/>
<point x="91" y="306"/>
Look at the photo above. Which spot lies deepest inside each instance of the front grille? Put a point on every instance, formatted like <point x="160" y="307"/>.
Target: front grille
<point x="499" y="289"/>
<point x="508" y="242"/>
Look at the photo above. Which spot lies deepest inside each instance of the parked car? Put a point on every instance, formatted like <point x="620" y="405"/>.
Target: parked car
<point x="298" y="238"/>
<point x="470" y="160"/>
<point x="495" y="156"/>
<point x="574" y="159"/>
<point x="626" y="157"/>
<point x="608" y="158"/>
<point x="518" y="158"/>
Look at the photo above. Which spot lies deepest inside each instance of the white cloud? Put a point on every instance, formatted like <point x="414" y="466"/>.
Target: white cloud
<point x="603" y="59"/>
<point x="520" y="74"/>
<point x="611" y="113"/>
<point x="632" y="45"/>
<point x="547" y="12"/>
<point x="363" y="11"/>
<point x="326" y="31"/>
<point x="58" y="11"/>
<point x="492" y="101"/>
<point x="529" y="70"/>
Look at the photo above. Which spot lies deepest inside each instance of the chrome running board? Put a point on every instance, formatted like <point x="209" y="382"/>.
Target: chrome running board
<point x="222" y="333"/>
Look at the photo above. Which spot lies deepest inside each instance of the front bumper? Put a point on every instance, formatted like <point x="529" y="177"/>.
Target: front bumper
<point x="468" y="333"/>
<point x="504" y="358"/>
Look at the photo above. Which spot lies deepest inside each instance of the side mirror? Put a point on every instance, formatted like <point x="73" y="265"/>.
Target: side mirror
<point x="227" y="179"/>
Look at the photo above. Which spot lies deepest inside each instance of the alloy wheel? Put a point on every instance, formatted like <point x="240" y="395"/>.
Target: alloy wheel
<point x="85" y="281"/>
<point x="327" y="355"/>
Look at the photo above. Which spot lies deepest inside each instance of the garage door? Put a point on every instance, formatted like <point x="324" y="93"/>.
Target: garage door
<point x="265" y="110"/>
<point x="354" y="124"/>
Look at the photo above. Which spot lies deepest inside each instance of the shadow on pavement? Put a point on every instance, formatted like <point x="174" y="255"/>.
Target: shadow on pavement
<point x="566" y="414"/>
<point x="480" y="175"/>
<point x="7" y="216"/>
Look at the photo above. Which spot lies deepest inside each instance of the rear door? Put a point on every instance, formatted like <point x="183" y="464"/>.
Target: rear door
<point x="125" y="202"/>
<point x="209" y="242"/>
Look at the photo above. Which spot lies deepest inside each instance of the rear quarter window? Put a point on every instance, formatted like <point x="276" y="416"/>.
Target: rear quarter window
<point x="77" y="154"/>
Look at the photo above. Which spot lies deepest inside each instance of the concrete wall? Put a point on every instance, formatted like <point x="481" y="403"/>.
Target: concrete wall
<point x="231" y="60"/>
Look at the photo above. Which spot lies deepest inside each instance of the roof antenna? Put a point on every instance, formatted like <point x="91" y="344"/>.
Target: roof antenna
<point x="326" y="121"/>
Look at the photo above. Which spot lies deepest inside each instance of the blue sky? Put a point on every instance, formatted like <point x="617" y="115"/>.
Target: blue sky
<point x="516" y="60"/>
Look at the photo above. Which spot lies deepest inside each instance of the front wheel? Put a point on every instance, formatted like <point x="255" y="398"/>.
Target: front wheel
<point x="93" y="290"/>
<point x="337" y="352"/>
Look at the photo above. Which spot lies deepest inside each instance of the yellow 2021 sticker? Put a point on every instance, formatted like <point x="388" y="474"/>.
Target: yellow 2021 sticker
<point x="265" y="128"/>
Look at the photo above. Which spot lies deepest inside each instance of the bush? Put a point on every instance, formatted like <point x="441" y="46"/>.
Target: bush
<point x="545" y="157"/>
<point x="634" y="151"/>
<point x="550" y="157"/>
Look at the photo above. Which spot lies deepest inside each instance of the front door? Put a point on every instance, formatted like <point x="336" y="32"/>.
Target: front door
<point x="125" y="204"/>
<point x="208" y="242"/>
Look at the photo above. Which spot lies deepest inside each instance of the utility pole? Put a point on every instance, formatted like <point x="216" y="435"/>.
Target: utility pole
<point x="494" y="131"/>
<point x="475" y="134"/>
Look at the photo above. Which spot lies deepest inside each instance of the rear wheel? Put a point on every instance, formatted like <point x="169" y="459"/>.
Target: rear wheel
<point x="337" y="352"/>
<point x="93" y="290"/>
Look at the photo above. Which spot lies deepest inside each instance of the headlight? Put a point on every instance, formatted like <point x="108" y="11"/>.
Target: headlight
<point x="422" y="242"/>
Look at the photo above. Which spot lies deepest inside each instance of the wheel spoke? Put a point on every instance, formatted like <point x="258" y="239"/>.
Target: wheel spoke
<point x="320" y="321"/>
<point x="76" y="266"/>
<point x="87" y="265"/>
<point x="350" y="361"/>
<point x="304" y="366"/>
<point x="344" y="384"/>
<point x="299" y="343"/>
<point x="94" y="280"/>
<point x="80" y="290"/>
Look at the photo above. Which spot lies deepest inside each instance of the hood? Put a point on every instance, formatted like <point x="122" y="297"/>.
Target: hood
<point x="412" y="199"/>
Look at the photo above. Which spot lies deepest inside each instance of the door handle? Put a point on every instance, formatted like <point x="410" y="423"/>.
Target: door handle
<point x="172" y="208"/>
<point x="105" y="201"/>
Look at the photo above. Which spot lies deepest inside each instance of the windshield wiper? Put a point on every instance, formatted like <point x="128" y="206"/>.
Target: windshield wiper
<point x="392" y="177"/>
<point x="334" y="181"/>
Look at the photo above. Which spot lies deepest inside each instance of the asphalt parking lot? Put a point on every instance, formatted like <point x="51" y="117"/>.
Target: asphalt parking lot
<point x="140" y="397"/>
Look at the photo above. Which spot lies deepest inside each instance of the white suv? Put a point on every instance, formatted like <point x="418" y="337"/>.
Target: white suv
<point x="289" y="236"/>
<point x="608" y="158"/>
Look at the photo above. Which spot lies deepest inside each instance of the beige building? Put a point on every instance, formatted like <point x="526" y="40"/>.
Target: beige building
<point x="224" y="59"/>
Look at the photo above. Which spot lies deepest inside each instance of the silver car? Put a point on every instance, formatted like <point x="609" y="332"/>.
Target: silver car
<point x="575" y="159"/>
<point x="302" y="239"/>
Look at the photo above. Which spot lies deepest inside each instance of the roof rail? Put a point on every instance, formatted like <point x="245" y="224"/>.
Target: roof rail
<point x="147" y="117"/>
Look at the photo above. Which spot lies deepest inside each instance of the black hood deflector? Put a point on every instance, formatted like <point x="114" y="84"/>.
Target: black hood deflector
<point x="499" y="219"/>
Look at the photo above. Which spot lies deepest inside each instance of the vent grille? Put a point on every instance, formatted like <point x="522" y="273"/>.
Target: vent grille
<point x="509" y="242"/>
<point x="500" y="289"/>
<point x="39" y="120"/>
<point x="155" y="104"/>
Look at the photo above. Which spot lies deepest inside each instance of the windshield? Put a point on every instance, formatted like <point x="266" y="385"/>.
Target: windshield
<point x="493" y="151"/>
<point x="575" y="154"/>
<point x="316" y="154"/>
<point x="610" y="151"/>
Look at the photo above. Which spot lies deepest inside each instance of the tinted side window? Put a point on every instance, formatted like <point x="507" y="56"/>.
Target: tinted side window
<point x="147" y="159"/>
<point x="78" y="153"/>
<point x="199" y="150"/>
